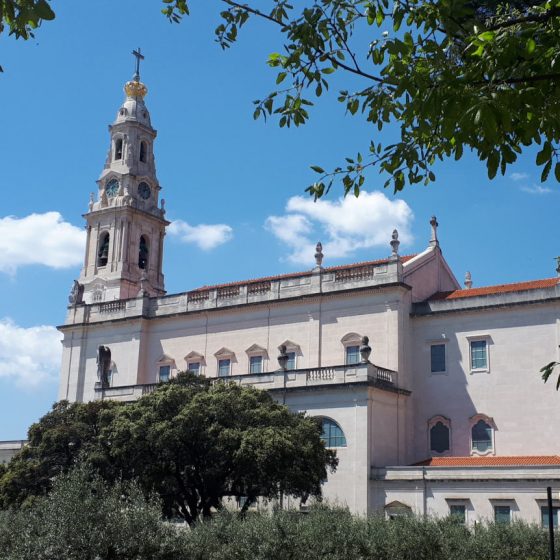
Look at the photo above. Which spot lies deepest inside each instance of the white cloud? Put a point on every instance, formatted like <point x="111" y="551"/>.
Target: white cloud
<point x="29" y="356"/>
<point x="204" y="236"/>
<point x="536" y="189"/>
<point x="343" y="226"/>
<point x="44" y="239"/>
<point x="519" y="177"/>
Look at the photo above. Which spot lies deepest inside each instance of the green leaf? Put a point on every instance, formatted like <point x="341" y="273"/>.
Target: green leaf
<point x="317" y="169"/>
<point x="531" y="45"/>
<point x="557" y="172"/>
<point x="280" y="78"/>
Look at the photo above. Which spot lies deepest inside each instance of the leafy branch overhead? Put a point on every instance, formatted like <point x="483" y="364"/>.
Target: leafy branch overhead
<point x="438" y="78"/>
<point x="449" y="76"/>
<point x="548" y="370"/>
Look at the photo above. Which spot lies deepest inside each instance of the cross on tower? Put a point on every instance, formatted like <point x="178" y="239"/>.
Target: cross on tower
<point x="139" y="56"/>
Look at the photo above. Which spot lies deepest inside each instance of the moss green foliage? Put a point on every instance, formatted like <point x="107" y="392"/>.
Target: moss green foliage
<point x="84" y="518"/>
<point x="191" y="442"/>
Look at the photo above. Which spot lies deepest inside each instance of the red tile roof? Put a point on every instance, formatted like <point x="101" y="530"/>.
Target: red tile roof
<point x="499" y="289"/>
<point x="491" y="461"/>
<point x="299" y="274"/>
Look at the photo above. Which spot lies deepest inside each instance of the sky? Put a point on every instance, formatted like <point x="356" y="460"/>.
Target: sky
<point x="234" y="187"/>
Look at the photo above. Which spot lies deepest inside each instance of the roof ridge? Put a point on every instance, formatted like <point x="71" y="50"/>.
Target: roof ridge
<point x="304" y="273"/>
<point x="497" y="288"/>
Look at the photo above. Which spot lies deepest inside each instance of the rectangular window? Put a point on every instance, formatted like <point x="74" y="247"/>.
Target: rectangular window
<point x="224" y="367"/>
<point x="502" y="514"/>
<point x="437" y="358"/>
<point x="479" y="354"/>
<point x="544" y="516"/>
<point x="194" y="367"/>
<point x="458" y="511"/>
<point x="164" y="373"/>
<point x="291" y="364"/>
<point x="255" y="364"/>
<point x="352" y="355"/>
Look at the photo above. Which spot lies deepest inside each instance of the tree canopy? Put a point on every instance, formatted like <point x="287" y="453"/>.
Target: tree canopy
<point x="443" y="77"/>
<point x="191" y="442"/>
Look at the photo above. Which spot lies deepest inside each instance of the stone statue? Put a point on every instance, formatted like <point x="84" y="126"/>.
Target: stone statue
<point x="103" y="365"/>
<point x="76" y="293"/>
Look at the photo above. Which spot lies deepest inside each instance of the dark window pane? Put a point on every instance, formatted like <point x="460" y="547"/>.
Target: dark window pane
<point x="458" y="511"/>
<point x="352" y="355"/>
<point x="439" y="438"/>
<point x="255" y="364"/>
<point x="291" y="360"/>
<point x="332" y="435"/>
<point x="224" y="368"/>
<point x="437" y="352"/>
<point x="164" y="373"/>
<point x="194" y="367"/>
<point x="481" y="436"/>
<point x="478" y="354"/>
<point x="544" y="516"/>
<point x="502" y="514"/>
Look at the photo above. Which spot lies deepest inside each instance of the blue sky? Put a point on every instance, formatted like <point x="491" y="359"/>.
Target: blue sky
<point x="218" y="167"/>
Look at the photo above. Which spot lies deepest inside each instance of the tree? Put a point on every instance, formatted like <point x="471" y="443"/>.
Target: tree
<point x="55" y="444"/>
<point x="197" y="444"/>
<point x="191" y="442"/>
<point x="449" y="75"/>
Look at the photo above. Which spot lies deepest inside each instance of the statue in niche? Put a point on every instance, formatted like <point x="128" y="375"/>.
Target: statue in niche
<point x="103" y="365"/>
<point x="76" y="293"/>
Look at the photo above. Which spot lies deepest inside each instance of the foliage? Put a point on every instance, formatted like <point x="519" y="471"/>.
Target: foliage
<point x="449" y="75"/>
<point x="21" y="17"/>
<point x="196" y="444"/>
<point x="547" y="371"/>
<point x="55" y="444"/>
<point x="191" y="442"/>
<point x="85" y="519"/>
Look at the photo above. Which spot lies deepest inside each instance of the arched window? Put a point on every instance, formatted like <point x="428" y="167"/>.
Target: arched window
<point x="118" y="148"/>
<point x="439" y="438"/>
<point x="143" y="151"/>
<point x="332" y="435"/>
<point x="103" y="251"/>
<point x="143" y="253"/>
<point x="481" y="437"/>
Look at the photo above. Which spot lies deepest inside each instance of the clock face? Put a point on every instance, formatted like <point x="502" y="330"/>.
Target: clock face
<point x="144" y="190"/>
<point x="112" y="188"/>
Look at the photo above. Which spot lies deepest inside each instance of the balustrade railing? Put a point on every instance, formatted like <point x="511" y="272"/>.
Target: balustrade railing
<point x="356" y="273"/>
<point x="112" y="306"/>
<point x="258" y="288"/>
<point x="199" y="295"/>
<point x="228" y="292"/>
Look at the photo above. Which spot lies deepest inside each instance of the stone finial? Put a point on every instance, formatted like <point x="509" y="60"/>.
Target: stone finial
<point x="365" y="350"/>
<point x="557" y="266"/>
<point x="468" y="281"/>
<point x="91" y="201"/>
<point x="433" y="239"/>
<point x="162" y="205"/>
<point x="395" y="244"/>
<point x="319" y="255"/>
<point x="143" y="284"/>
<point x="283" y="357"/>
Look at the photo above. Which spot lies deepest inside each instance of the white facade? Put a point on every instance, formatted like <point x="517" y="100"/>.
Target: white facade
<point x="452" y="373"/>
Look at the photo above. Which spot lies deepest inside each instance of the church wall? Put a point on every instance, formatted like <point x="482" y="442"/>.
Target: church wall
<point x="349" y="484"/>
<point x="525" y="411"/>
<point x="315" y="326"/>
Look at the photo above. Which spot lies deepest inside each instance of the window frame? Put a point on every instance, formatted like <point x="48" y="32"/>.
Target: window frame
<point x="221" y="355"/>
<point x="197" y="370"/>
<point x="256" y="351"/>
<point x="165" y="361"/>
<point x="543" y="506"/>
<point x="261" y="364"/>
<point x="432" y="422"/>
<point x="224" y="359"/>
<point x="160" y="367"/>
<point x="349" y="340"/>
<point x="327" y="440"/>
<point x="498" y="506"/>
<point x="487" y="341"/>
<point x="474" y="420"/>
<point x="460" y="502"/>
<point x="291" y="348"/>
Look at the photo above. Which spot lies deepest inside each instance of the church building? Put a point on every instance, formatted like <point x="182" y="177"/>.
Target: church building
<point x="428" y="391"/>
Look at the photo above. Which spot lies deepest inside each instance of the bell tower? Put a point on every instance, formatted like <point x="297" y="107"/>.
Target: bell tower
<point x="125" y="222"/>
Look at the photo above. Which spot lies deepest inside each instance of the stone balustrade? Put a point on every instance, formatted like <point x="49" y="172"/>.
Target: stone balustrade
<point x="252" y="292"/>
<point x="281" y="380"/>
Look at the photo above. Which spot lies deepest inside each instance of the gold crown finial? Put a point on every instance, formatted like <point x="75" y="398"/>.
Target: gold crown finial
<point x="135" y="88"/>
